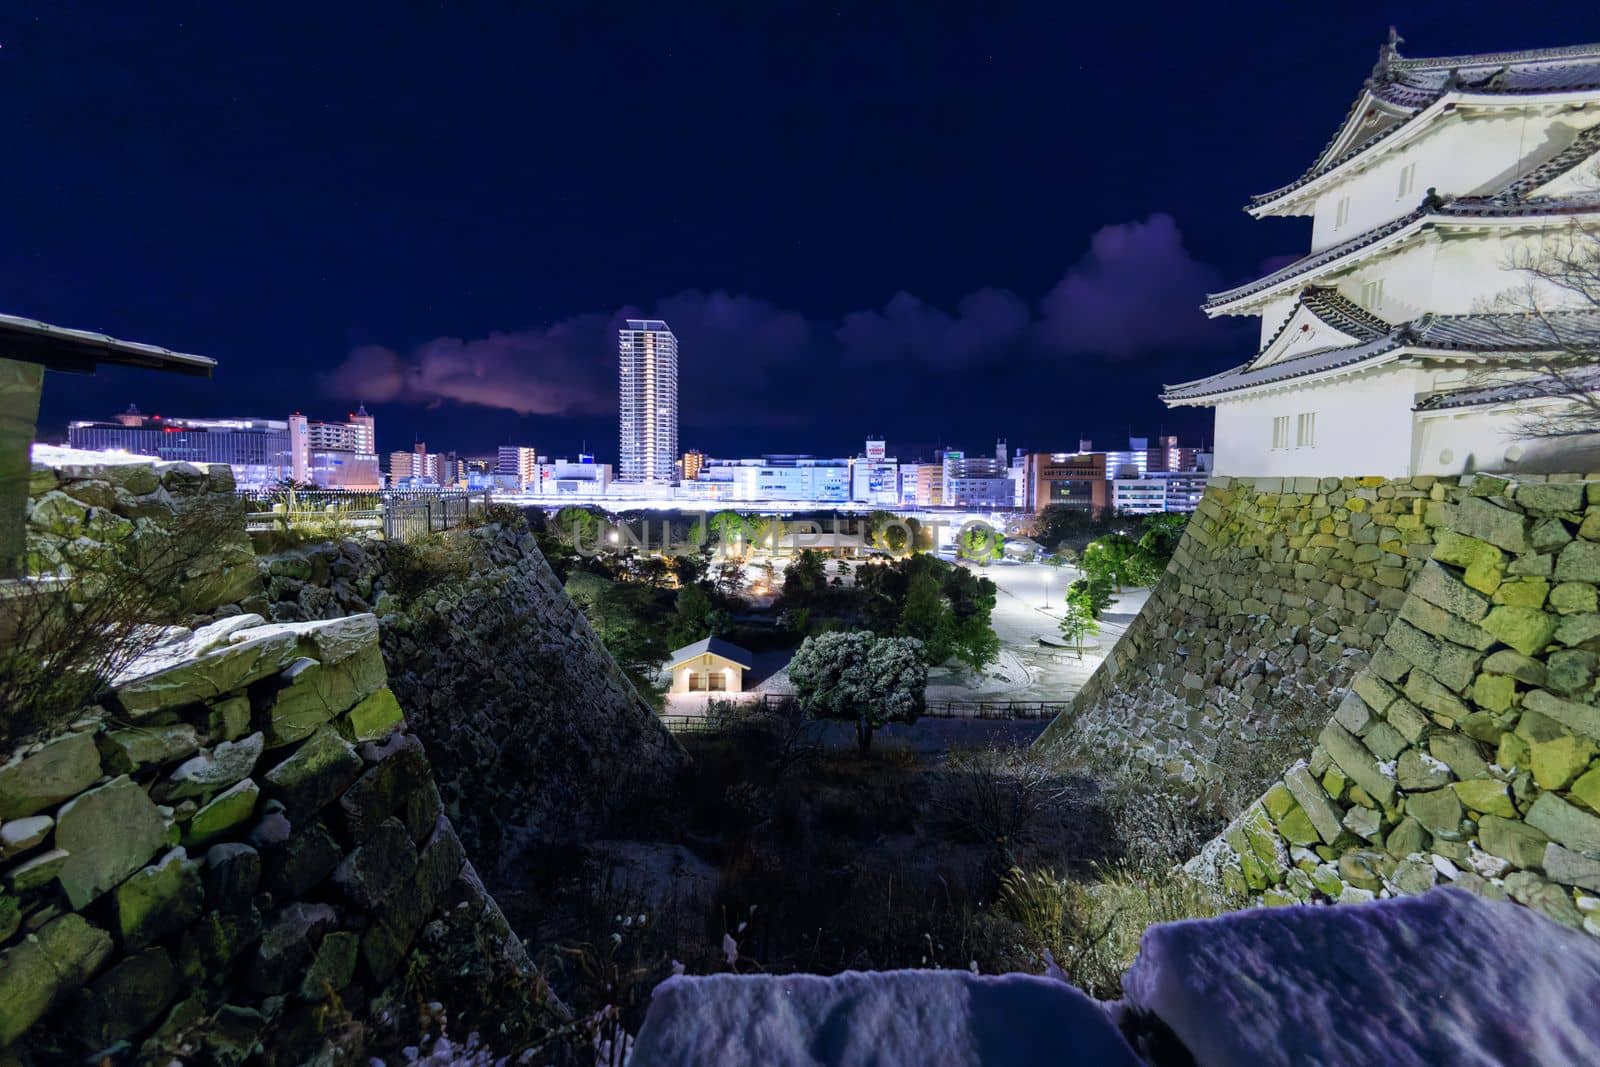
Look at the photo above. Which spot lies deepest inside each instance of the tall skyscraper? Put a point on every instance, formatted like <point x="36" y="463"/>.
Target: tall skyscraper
<point x="648" y="401"/>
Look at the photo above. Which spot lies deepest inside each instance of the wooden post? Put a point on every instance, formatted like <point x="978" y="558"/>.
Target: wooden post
<point x="20" y="385"/>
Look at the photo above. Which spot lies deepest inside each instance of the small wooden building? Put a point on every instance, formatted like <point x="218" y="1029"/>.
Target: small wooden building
<point x="711" y="665"/>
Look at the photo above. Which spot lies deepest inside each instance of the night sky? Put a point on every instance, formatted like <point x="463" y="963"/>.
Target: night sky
<point x="914" y="220"/>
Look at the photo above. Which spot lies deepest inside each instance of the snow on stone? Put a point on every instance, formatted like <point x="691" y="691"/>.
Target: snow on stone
<point x="914" y="1018"/>
<point x="1444" y="977"/>
<point x="62" y="456"/>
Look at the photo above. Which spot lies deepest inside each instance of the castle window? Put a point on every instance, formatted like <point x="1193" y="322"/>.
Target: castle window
<point x="1372" y="294"/>
<point x="1280" y="432"/>
<point x="1305" y="433"/>
<point x="1341" y="214"/>
<point x="1408" y="179"/>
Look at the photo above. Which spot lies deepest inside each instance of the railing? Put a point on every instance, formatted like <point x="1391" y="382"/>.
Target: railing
<point x="960" y="709"/>
<point x="394" y="514"/>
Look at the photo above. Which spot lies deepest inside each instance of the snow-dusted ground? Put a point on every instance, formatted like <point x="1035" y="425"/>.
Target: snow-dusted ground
<point x="1442" y="978"/>
<point x="915" y="1018"/>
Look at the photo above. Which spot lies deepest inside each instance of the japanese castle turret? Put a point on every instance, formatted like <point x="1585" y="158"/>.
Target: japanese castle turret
<point x="1414" y="339"/>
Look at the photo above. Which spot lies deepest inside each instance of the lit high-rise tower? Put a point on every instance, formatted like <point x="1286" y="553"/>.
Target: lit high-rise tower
<point x="648" y="401"/>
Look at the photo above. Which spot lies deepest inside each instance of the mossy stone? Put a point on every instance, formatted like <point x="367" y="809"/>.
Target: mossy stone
<point x="1487" y="796"/>
<point x="1558" y="762"/>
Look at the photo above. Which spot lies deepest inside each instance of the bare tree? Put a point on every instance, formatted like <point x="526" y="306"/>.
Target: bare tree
<point x="93" y="607"/>
<point x="1550" y="322"/>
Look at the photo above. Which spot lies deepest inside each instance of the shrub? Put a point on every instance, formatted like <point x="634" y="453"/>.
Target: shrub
<point x="64" y="636"/>
<point x="415" y="567"/>
<point x="1000" y="798"/>
<point x="1092" y="929"/>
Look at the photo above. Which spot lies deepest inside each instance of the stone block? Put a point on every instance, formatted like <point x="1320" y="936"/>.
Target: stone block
<point x="1516" y="842"/>
<point x="20" y="835"/>
<point x="374" y="718"/>
<point x="1525" y="629"/>
<point x="232" y="875"/>
<point x="36" y="872"/>
<point x="1571" y="598"/>
<point x="1557" y="763"/>
<point x="398" y="768"/>
<point x="226" y="811"/>
<point x="332" y="968"/>
<point x="294" y="866"/>
<point x="1494" y="692"/>
<point x="1579" y="562"/>
<point x="158" y="900"/>
<point x="1501" y="527"/>
<point x="372" y="870"/>
<point x="1450" y="664"/>
<point x="1416" y="770"/>
<point x="1406" y="838"/>
<point x="45" y="966"/>
<point x="60" y="770"/>
<point x="1439" y="587"/>
<point x="1566" y="824"/>
<point x="1578" y="629"/>
<point x="109" y="832"/>
<point x="1357" y="763"/>
<point x="1522" y="592"/>
<point x="1551" y="498"/>
<point x="255" y="656"/>
<point x="127" y="999"/>
<point x="1515" y="664"/>
<point x="127" y="750"/>
<point x="1439" y="811"/>
<point x="1460" y="754"/>
<point x="209" y="772"/>
<point x="287" y="943"/>
<point x="1582" y="719"/>
<point x="1486" y="796"/>
<point x="319" y="770"/>
<point x="1571" y="868"/>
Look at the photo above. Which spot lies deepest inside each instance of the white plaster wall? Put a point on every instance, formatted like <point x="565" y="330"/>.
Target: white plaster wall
<point x="1494" y="439"/>
<point x="1364" y="426"/>
<point x="1467" y="154"/>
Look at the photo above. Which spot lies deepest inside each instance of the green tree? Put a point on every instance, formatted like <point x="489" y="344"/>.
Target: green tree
<point x="925" y="616"/>
<point x="806" y="577"/>
<point x="1095" y="589"/>
<point x="980" y="543"/>
<point x="1112" y="557"/>
<point x="1078" y="621"/>
<point x="732" y="532"/>
<point x="578" y="526"/>
<point x="860" y="678"/>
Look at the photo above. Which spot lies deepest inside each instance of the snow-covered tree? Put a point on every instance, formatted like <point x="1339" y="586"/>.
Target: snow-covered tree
<point x="862" y="678"/>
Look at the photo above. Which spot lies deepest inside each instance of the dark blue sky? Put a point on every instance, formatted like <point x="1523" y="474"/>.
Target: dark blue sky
<point x="914" y="219"/>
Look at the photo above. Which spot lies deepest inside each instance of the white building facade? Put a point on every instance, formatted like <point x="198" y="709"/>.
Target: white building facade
<point x="648" y="402"/>
<point x="1406" y="341"/>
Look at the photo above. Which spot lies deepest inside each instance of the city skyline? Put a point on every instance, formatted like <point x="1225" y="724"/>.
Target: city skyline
<point x="467" y="285"/>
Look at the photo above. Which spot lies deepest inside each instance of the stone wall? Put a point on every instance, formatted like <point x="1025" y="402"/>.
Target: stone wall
<point x="1278" y="594"/>
<point x="537" y="735"/>
<point x="241" y="849"/>
<point x="73" y="505"/>
<point x="1467" y="750"/>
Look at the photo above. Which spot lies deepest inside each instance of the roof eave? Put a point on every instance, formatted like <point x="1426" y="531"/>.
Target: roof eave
<point x="1278" y="201"/>
<point x="80" y="351"/>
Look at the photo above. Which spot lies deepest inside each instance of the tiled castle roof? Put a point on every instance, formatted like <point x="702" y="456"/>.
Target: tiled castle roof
<point x="1409" y="86"/>
<point x="1476" y="333"/>
<point x="1586" y="379"/>
<point x="1499" y="204"/>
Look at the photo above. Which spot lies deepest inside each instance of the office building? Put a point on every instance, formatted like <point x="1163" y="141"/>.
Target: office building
<point x="648" y="402"/>
<point x="258" y="450"/>
<point x="517" y="465"/>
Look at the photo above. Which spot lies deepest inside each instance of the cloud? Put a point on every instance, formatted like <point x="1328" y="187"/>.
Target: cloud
<point x="531" y="372"/>
<point x="749" y="361"/>
<point x="1137" y="289"/>
<point x="986" y="322"/>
